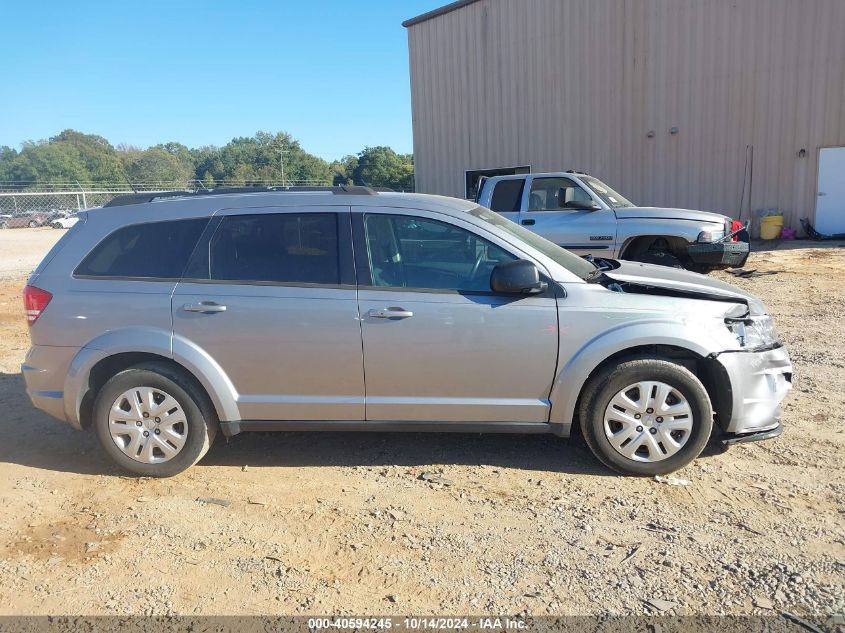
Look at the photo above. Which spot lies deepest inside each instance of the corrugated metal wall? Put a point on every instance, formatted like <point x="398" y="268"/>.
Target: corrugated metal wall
<point x="579" y="84"/>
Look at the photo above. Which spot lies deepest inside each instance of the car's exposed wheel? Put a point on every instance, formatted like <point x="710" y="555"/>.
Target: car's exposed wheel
<point x="646" y="416"/>
<point x="153" y="421"/>
<point x="661" y="258"/>
<point x="33" y="224"/>
<point x="56" y="225"/>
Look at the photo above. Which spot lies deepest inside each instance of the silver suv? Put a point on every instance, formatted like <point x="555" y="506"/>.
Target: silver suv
<point x="162" y="318"/>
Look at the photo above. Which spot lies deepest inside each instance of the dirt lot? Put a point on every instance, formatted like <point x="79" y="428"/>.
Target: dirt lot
<point x="319" y="523"/>
<point x="22" y="249"/>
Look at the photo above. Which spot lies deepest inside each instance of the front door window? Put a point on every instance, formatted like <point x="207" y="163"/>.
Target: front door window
<point x="413" y="252"/>
<point x="552" y="194"/>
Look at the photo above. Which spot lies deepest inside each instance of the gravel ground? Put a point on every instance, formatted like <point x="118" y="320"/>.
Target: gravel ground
<point x="344" y="524"/>
<point x="22" y="249"/>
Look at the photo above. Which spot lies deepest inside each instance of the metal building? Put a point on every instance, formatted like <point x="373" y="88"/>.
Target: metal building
<point x="722" y="105"/>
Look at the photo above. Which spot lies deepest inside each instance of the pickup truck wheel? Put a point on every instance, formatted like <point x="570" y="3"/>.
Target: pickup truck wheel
<point x="661" y="258"/>
<point x="152" y="421"/>
<point x="646" y="417"/>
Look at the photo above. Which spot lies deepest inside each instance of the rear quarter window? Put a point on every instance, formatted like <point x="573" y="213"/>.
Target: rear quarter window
<point x="507" y="196"/>
<point x="153" y="250"/>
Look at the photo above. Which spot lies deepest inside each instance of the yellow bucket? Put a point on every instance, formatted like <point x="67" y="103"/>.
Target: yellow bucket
<point x="770" y="227"/>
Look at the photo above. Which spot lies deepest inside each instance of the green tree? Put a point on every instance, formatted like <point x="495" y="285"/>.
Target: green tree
<point x="156" y="165"/>
<point x="383" y="167"/>
<point x="208" y="180"/>
<point x="260" y="159"/>
<point x="7" y="157"/>
<point x="98" y="157"/>
<point x="264" y="158"/>
<point x="343" y="170"/>
<point x="68" y="157"/>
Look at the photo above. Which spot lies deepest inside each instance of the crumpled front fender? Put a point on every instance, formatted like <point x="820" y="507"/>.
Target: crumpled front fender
<point x="577" y="367"/>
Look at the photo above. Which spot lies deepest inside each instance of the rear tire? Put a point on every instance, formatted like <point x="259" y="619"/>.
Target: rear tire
<point x="168" y="429"/>
<point x="654" y="445"/>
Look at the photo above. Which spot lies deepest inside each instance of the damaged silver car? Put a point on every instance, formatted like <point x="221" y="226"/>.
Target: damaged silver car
<point x="163" y="319"/>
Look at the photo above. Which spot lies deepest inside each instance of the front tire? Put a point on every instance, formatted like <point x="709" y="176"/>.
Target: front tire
<point x="646" y="417"/>
<point x="660" y="258"/>
<point x="153" y="421"/>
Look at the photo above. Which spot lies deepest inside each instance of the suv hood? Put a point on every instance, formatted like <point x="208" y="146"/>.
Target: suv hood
<point x="677" y="282"/>
<point x="660" y="213"/>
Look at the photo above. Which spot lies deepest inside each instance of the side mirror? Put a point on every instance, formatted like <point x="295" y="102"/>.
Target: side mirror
<point x="581" y="205"/>
<point x="519" y="277"/>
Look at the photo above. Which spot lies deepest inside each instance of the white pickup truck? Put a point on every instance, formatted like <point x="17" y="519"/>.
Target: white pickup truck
<point x="585" y="216"/>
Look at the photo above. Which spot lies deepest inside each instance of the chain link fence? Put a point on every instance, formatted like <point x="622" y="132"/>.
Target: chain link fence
<point x="30" y="204"/>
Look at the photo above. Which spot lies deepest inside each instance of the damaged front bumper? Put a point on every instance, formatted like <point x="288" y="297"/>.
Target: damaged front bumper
<point x="759" y="383"/>
<point x="757" y="436"/>
<point x="719" y="254"/>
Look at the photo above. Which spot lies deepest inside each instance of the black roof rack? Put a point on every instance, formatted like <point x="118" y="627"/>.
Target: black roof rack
<point x="141" y="198"/>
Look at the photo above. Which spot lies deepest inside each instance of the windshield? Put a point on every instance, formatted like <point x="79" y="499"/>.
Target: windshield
<point x="610" y="197"/>
<point x="570" y="261"/>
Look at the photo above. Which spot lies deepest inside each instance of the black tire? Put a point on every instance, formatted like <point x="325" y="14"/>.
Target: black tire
<point x="56" y="225"/>
<point x="33" y="224"/>
<point x="661" y="258"/>
<point x="201" y="419"/>
<point x="603" y="387"/>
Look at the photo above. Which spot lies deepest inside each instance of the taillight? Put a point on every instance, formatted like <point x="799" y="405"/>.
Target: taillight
<point x="736" y="225"/>
<point x="34" y="302"/>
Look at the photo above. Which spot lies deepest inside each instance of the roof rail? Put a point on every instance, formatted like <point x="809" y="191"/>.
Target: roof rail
<point x="141" y="198"/>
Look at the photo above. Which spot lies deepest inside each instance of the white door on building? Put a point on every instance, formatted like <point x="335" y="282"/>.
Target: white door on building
<point x="830" y="204"/>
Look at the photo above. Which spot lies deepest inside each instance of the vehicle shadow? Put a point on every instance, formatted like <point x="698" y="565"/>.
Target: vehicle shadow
<point x="31" y="438"/>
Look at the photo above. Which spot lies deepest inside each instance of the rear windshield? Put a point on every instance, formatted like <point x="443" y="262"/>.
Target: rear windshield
<point x="570" y="261"/>
<point x="155" y="250"/>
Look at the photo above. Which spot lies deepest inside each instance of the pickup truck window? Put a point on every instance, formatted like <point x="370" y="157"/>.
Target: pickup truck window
<point x="610" y="197"/>
<point x="507" y="195"/>
<point x="574" y="264"/>
<point x="551" y="194"/>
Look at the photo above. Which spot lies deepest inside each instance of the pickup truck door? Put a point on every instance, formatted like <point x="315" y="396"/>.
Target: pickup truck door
<point x="583" y="232"/>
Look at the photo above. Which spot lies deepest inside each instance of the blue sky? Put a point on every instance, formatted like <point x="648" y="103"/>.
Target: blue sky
<point x="332" y="73"/>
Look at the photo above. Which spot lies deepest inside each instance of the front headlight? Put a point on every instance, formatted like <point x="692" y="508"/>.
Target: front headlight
<point x="754" y="332"/>
<point x="711" y="236"/>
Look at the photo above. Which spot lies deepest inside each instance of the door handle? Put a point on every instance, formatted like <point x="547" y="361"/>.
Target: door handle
<point x="204" y="306"/>
<point x="390" y="313"/>
<point x="528" y="222"/>
<point x="821" y="195"/>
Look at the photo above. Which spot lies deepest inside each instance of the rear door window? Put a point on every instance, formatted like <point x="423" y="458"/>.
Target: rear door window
<point x="276" y="247"/>
<point x="153" y="250"/>
<point x="507" y="196"/>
